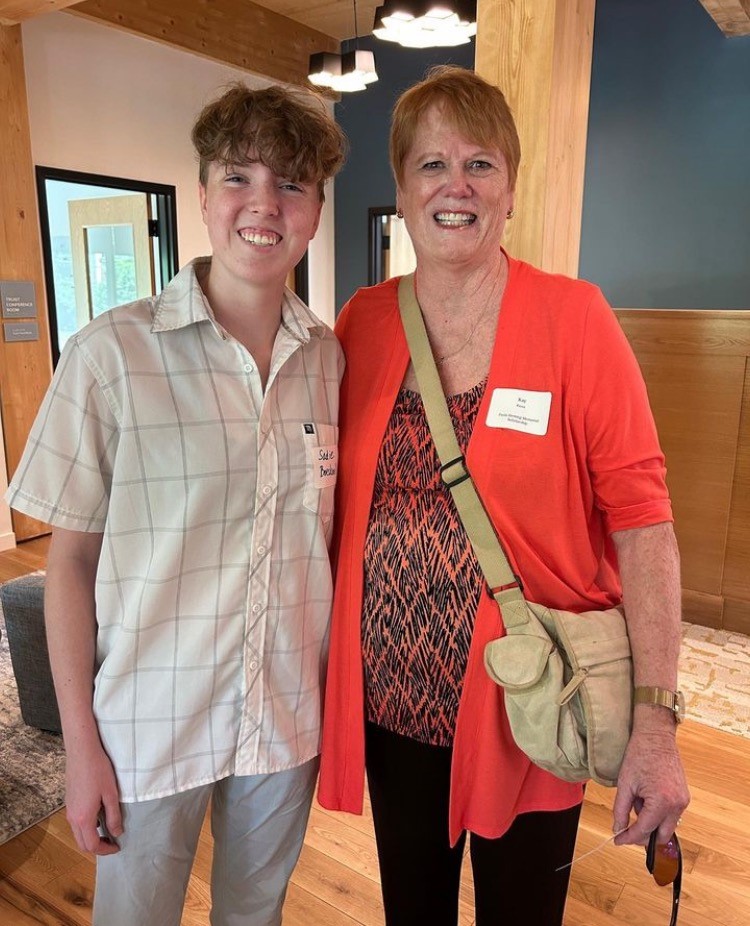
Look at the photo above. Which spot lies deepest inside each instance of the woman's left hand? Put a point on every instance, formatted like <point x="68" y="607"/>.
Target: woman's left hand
<point x="651" y="780"/>
<point x="652" y="783"/>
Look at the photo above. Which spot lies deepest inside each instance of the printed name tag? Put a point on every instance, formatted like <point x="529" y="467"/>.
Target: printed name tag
<point x="520" y="410"/>
<point x="324" y="461"/>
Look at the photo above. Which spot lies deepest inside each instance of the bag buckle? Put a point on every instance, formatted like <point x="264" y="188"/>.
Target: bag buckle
<point x="516" y="583"/>
<point x="461" y="476"/>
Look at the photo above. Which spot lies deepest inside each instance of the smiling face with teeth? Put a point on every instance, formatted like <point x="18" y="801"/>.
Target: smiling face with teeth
<point x="454" y="194"/>
<point x="259" y="224"/>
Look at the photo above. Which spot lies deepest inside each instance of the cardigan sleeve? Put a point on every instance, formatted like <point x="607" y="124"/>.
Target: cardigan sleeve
<point x="624" y="458"/>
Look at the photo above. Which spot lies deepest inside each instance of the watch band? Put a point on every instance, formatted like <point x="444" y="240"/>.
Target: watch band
<point x="672" y="700"/>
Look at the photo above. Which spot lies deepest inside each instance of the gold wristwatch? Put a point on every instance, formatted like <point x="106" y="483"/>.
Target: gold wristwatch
<point x="673" y="700"/>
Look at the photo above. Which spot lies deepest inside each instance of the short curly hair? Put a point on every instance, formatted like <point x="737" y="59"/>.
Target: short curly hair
<point x="288" y="130"/>
<point x="470" y="104"/>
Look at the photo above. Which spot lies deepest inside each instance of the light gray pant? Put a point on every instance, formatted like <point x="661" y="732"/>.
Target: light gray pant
<point x="258" y="824"/>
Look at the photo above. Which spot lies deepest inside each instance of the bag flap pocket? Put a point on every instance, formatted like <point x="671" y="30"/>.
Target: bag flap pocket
<point x="517" y="661"/>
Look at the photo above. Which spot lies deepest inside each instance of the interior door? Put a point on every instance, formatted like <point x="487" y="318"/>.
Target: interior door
<point x="112" y="253"/>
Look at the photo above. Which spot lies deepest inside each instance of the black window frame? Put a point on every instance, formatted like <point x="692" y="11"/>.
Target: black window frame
<point x="166" y="216"/>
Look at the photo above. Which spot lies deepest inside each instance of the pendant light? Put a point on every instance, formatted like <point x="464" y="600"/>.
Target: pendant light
<point x="345" y="73"/>
<point x="426" y="23"/>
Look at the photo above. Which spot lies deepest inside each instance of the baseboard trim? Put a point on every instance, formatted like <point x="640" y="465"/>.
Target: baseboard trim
<point x="701" y="608"/>
<point x="737" y="615"/>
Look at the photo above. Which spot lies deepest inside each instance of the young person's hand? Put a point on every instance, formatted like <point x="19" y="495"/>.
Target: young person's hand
<point x="92" y="796"/>
<point x="92" y="800"/>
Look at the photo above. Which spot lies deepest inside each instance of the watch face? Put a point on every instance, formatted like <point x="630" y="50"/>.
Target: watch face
<point x="679" y="710"/>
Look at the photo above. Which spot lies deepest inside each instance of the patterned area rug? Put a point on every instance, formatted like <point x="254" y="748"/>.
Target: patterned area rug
<point x="715" y="677"/>
<point x="32" y="763"/>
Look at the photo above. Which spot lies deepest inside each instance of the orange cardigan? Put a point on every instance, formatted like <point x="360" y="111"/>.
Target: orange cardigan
<point x="554" y="500"/>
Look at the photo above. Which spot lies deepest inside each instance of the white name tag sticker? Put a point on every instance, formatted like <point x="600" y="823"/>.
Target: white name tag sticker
<point x="520" y="410"/>
<point x="324" y="462"/>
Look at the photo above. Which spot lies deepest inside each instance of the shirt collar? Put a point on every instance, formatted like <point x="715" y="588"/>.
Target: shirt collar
<point x="182" y="302"/>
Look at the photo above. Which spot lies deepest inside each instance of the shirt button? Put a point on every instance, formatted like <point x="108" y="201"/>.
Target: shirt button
<point x="253" y="666"/>
<point x="248" y="368"/>
<point x="261" y="550"/>
<point x="256" y="608"/>
<point x="267" y="490"/>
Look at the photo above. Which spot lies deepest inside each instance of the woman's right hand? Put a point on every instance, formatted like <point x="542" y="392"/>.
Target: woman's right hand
<point x="91" y="790"/>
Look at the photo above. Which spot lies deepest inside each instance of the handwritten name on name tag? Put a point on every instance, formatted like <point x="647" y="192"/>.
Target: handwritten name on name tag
<point x="324" y="462"/>
<point x="520" y="410"/>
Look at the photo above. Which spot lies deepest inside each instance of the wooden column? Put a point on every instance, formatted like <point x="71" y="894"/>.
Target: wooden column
<point x="539" y="53"/>
<point x="26" y="366"/>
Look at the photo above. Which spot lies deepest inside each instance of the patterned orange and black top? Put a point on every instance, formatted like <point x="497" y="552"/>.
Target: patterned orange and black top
<point x="422" y="579"/>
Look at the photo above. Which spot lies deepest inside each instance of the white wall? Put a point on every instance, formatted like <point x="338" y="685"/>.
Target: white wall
<point x="106" y="102"/>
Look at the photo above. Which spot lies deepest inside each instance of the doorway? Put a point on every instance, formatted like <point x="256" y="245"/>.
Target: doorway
<point x="105" y="241"/>
<point x="390" y="251"/>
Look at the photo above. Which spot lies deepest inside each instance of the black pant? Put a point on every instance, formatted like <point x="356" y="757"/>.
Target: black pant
<point x="515" y="881"/>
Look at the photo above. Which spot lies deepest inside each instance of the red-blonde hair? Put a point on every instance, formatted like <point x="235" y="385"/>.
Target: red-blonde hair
<point x="473" y="106"/>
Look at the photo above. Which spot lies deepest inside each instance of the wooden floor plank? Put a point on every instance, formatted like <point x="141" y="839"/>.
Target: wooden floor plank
<point x="27" y="557"/>
<point x="347" y="891"/>
<point x="331" y="835"/>
<point x="303" y="908"/>
<point x="35" y="858"/>
<point x="11" y="915"/>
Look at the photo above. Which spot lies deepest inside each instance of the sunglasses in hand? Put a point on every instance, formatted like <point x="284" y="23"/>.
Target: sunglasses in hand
<point x="664" y="862"/>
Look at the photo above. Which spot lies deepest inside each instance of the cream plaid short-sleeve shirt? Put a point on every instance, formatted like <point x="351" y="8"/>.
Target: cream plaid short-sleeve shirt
<point x="215" y="500"/>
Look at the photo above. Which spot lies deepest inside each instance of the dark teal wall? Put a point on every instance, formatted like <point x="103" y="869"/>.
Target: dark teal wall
<point x="666" y="218"/>
<point x="366" y="180"/>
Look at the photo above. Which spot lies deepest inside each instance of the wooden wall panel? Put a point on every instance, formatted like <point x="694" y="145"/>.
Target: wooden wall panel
<point x="696" y="369"/>
<point x="697" y="412"/>
<point x="736" y="615"/>
<point x="737" y="571"/>
<point x="699" y="608"/>
<point x="25" y="367"/>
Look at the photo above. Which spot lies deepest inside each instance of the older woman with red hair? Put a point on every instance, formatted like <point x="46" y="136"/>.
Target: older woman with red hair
<point x="579" y="500"/>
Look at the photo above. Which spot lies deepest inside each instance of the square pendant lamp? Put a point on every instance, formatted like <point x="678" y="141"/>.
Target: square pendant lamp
<point x="345" y="73"/>
<point x="426" y="23"/>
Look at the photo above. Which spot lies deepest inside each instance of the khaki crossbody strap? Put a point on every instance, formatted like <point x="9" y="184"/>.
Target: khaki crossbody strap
<point x="505" y="586"/>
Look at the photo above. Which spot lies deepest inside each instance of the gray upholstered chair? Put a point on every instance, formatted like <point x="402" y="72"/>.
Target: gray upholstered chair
<point x="23" y="606"/>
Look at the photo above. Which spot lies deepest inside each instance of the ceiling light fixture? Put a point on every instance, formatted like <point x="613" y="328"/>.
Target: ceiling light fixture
<point x="426" y="23"/>
<point x="345" y="73"/>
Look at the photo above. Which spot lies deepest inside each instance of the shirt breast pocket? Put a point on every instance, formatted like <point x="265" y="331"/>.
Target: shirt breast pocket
<point x="322" y="457"/>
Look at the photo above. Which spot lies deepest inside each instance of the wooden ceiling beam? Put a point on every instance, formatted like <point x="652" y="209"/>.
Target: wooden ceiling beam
<point x="731" y="16"/>
<point x="233" y="32"/>
<point x="13" y="12"/>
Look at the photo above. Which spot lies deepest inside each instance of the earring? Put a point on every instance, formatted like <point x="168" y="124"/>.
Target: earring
<point x="399" y="214"/>
<point x="510" y="213"/>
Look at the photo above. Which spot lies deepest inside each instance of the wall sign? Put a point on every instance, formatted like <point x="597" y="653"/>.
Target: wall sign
<point x="15" y="331"/>
<point x="18" y="299"/>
